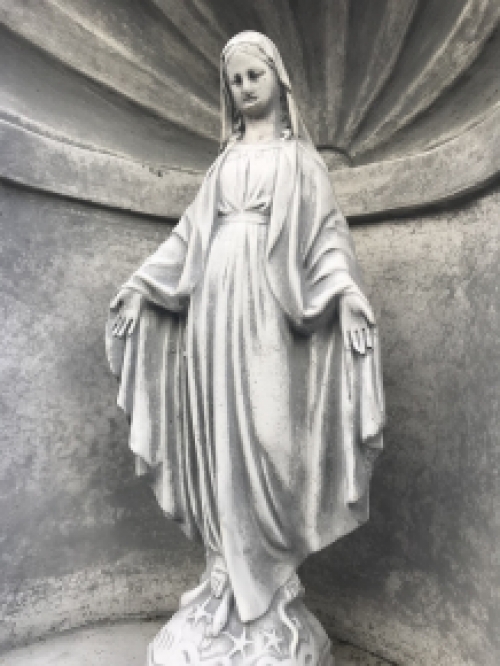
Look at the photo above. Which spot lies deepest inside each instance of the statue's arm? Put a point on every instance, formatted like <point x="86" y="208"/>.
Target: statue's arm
<point x="331" y="268"/>
<point x="162" y="279"/>
<point x="155" y="282"/>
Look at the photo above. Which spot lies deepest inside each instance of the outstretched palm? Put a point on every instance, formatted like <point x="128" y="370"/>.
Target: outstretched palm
<point x="129" y="305"/>
<point x="357" y="321"/>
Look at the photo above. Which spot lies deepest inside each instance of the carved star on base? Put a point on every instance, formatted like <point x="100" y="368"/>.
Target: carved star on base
<point x="239" y="644"/>
<point x="272" y="640"/>
<point x="198" y="613"/>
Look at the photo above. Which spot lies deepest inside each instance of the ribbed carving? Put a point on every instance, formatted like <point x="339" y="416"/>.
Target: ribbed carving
<point x="376" y="80"/>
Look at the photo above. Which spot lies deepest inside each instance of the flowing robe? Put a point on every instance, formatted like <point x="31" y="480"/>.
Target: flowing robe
<point x="258" y="429"/>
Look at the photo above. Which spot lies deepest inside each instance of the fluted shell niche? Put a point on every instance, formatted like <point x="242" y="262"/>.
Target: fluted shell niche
<point x="117" y="101"/>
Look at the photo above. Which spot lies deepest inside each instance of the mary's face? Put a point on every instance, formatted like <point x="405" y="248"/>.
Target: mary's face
<point x="253" y="84"/>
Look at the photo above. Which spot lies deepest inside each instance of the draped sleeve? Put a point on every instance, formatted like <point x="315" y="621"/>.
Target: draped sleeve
<point x="311" y="265"/>
<point x="159" y="276"/>
<point x="168" y="277"/>
<point x="150" y="363"/>
<point x="311" y="257"/>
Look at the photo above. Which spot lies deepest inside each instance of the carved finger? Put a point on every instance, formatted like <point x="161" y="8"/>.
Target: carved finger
<point x="354" y="340"/>
<point x="359" y="339"/>
<point x="369" y="314"/>
<point x="369" y="338"/>
<point x="349" y="372"/>
<point x="133" y="324"/>
<point x="117" y="324"/>
<point x="362" y="340"/>
<point x="123" y="327"/>
<point x="345" y="335"/>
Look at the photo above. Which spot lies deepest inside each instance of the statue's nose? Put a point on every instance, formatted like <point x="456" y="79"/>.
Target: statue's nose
<point x="247" y="85"/>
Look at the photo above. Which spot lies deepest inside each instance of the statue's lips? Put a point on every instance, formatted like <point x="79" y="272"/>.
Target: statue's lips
<point x="249" y="101"/>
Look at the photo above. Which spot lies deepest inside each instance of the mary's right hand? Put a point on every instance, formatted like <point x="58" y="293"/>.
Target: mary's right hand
<point x="129" y="305"/>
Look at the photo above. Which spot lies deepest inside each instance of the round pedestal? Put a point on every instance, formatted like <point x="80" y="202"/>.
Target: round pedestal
<point x="287" y="635"/>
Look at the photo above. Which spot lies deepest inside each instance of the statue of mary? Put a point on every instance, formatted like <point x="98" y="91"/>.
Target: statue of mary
<point x="248" y="362"/>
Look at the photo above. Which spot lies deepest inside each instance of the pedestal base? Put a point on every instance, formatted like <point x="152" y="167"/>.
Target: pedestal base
<point x="287" y="635"/>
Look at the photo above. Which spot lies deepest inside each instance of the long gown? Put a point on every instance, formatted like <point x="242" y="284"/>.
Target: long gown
<point x="241" y="412"/>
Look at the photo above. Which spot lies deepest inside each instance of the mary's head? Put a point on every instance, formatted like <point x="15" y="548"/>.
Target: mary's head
<point x="252" y="82"/>
<point x="255" y="85"/>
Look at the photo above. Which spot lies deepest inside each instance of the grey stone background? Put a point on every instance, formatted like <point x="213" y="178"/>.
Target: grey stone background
<point x="109" y="106"/>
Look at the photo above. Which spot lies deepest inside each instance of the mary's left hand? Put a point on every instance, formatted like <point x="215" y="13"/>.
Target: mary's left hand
<point x="357" y="321"/>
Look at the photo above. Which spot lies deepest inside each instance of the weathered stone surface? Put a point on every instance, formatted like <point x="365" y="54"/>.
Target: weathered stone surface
<point x="125" y="645"/>
<point x="136" y="86"/>
<point x="83" y="540"/>
<point x="126" y="50"/>
<point x="420" y="584"/>
<point x="286" y="635"/>
<point x="40" y="95"/>
<point x="445" y="40"/>
<point x="416" y="181"/>
<point x="404" y="184"/>
<point x="374" y="49"/>
<point x="95" y="177"/>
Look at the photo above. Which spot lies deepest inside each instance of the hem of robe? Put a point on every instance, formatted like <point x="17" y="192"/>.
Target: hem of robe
<point x="144" y="469"/>
<point x="353" y="509"/>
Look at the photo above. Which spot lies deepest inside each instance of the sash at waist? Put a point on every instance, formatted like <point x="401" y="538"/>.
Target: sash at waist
<point x="248" y="216"/>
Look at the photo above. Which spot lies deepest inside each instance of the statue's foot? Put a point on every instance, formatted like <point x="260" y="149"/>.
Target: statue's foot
<point x="191" y="595"/>
<point x="219" y="580"/>
<point x="221" y="615"/>
<point x="216" y="578"/>
<point x="221" y="589"/>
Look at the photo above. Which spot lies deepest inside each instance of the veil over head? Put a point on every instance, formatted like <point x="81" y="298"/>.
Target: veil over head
<point x="262" y="47"/>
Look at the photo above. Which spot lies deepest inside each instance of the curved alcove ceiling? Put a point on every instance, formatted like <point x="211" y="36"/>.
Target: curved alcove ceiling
<point x="116" y="101"/>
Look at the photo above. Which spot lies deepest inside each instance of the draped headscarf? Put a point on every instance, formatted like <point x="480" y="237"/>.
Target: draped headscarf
<point x="263" y="48"/>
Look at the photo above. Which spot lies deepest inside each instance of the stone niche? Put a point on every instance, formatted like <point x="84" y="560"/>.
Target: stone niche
<point x="109" y="115"/>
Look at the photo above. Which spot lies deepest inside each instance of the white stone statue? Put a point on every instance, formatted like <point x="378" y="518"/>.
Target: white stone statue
<point x="249" y="367"/>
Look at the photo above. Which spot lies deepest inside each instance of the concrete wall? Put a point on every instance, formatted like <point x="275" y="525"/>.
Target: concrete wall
<point x="83" y="540"/>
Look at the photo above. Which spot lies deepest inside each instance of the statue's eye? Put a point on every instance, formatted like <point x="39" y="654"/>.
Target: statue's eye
<point x="236" y="80"/>
<point x="253" y="75"/>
